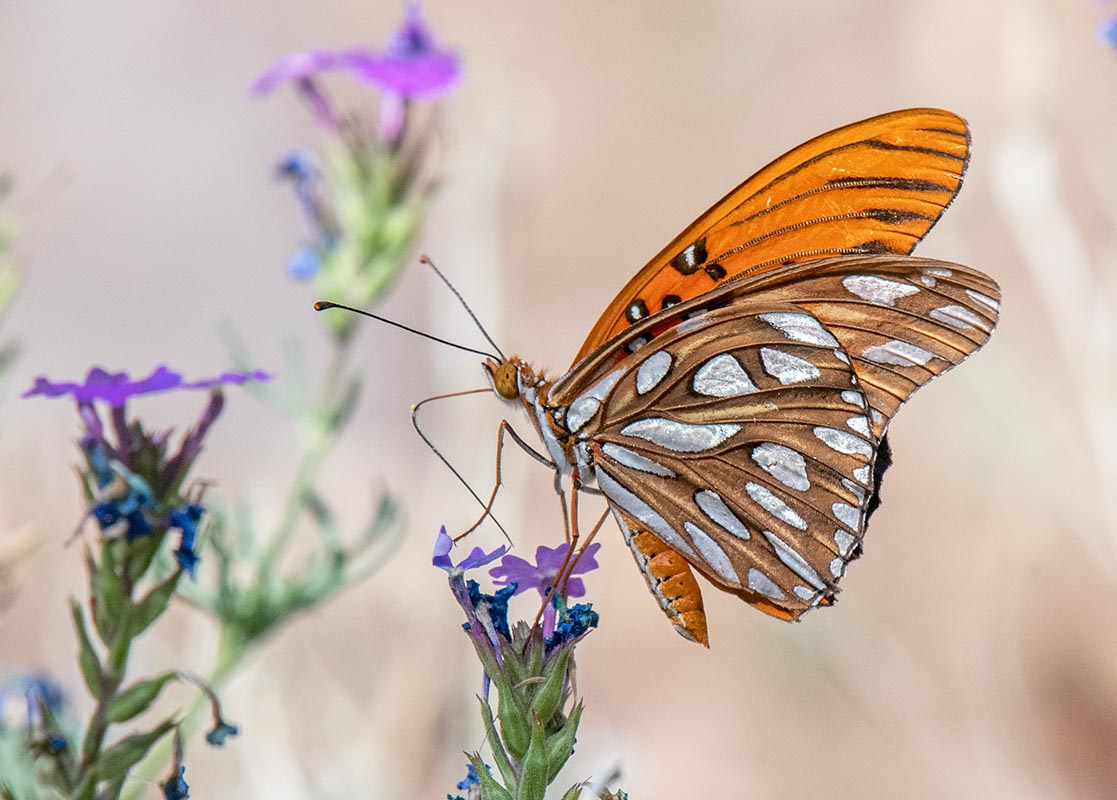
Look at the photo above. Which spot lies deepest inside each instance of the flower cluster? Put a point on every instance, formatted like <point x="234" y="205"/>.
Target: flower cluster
<point x="532" y="732"/>
<point x="135" y="485"/>
<point x="365" y="193"/>
<point x="134" y="482"/>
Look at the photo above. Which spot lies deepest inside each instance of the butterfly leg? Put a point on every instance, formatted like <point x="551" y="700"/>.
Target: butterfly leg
<point x="570" y="522"/>
<point x="505" y="427"/>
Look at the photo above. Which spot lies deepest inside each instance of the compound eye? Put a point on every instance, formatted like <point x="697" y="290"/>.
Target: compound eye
<point x="504" y="379"/>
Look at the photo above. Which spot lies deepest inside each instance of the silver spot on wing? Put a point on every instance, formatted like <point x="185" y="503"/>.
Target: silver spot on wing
<point x="782" y="463"/>
<point x="859" y="424"/>
<point x="681" y="437"/>
<point x="793" y="561"/>
<point x="862" y="474"/>
<point x="759" y="582"/>
<point x="845" y="541"/>
<point x="836" y="567"/>
<point x="959" y="317"/>
<point x="633" y="460"/>
<point x="800" y="327"/>
<point x="898" y="354"/>
<point x="697" y="322"/>
<point x="853" y="398"/>
<point x="651" y="371"/>
<point x="985" y="300"/>
<point x="787" y="368"/>
<point x="580" y="412"/>
<point x="715" y="508"/>
<point x="775" y="506"/>
<point x="723" y="376"/>
<point x="882" y="291"/>
<point x="843" y="442"/>
<point x="855" y="488"/>
<point x="713" y="554"/>
<point x="847" y="514"/>
<point x="588" y="402"/>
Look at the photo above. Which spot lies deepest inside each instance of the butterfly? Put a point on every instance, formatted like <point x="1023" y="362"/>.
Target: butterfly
<point x="732" y="402"/>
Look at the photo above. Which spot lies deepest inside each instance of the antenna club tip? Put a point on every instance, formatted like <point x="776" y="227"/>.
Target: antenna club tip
<point x="424" y="259"/>
<point x="322" y="305"/>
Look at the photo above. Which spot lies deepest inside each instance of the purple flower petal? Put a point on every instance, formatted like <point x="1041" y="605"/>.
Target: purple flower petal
<point x="295" y="67"/>
<point x="234" y="378"/>
<point x="542" y="575"/>
<point x="115" y="388"/>
<point x="412" y="66"/>
<point x="476" y="558"/>
<point x="111" y="387"/>
<point x="426" y="76"/>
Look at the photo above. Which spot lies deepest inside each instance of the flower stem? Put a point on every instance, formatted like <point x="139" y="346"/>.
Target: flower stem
<point x="314" y="453"/>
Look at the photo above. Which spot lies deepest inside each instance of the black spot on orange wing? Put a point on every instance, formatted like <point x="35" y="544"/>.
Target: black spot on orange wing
<point x="715" y="270"/>
<point x="636" y="311"/>
<point x="691" y="258"/>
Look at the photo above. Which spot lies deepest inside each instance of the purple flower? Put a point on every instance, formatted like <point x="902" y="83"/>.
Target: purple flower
<point x="301" y="69"/>
<point x="1107" y="32"/>
<point x="115" y="388"/>
<point x="412" y="66"/>
<point x="543" y="574"/>
<point x="476" y="558"/>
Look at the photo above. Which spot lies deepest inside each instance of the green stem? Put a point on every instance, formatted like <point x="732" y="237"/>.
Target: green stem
<point x="310" y="461"/>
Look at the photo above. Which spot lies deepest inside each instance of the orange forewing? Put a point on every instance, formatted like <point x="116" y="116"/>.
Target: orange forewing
<point x="873" y="187"/>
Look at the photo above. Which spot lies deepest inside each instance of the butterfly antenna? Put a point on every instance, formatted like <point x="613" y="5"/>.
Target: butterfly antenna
<point x="465" y="305"/>
<point x="415" y="422"/>
<point x="322" y="305"/>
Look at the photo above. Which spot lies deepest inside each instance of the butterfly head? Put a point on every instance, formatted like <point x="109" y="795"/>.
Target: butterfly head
<point x="504" y="376"/>
<point x="511" y="377"/>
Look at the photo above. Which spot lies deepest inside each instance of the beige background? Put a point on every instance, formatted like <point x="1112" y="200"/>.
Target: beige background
<point x="972" y="653"/>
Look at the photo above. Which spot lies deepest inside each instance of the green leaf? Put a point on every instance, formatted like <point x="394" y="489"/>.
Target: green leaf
<point x="142" y="551"/>
<point x="154" y="604"/>
<point x="533" y="769"/>
<point x="574" y="792"/>
<point x="490" y="789"/>
<point x="91" y="670"/>
<point x="500" y="755"/>
<point x="107" y="597"/>
<point x="515" y="726"/>
<point x="125" y="754"/>
<point x="118" y="653"/>
<point x="549" y="695"/>
<point x="137" y="698"/>
<point x="560" y="746"/>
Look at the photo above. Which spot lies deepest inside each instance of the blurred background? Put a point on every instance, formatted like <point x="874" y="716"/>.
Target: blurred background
<point x="973" y="652"/>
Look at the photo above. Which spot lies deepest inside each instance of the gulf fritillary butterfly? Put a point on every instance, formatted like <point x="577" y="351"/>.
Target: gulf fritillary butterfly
<point x="732" y="402"/>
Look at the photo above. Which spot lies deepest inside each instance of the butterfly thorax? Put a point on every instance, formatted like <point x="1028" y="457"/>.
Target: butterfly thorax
<point x="516" y="381"/>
